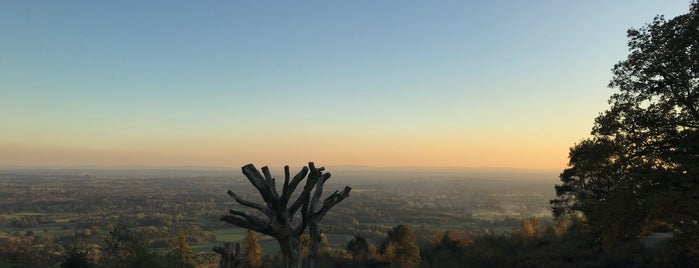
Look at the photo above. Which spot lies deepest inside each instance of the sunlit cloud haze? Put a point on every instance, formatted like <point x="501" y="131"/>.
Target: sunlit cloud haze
<point x="375" y="83"/>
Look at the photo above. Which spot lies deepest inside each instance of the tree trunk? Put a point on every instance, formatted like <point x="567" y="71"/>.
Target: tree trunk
<point x="230" y="255"/>
<point x="291" y="248"/>
<point x="314" y="245"/>
<point x="316" y="216"/>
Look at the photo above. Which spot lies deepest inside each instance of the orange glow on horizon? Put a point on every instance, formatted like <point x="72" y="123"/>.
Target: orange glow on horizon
<point x="218" y="153"/>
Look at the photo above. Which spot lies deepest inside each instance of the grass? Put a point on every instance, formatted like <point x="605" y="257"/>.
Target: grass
<point x="269" y="247"/>
<point x="267" y="243"/>
<point x="229" y="234"/>
<point x="16" y="215"/>
<point x="39" y="229"/>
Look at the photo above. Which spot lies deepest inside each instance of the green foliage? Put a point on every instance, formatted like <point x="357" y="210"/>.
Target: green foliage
<point x="639" y="171"/>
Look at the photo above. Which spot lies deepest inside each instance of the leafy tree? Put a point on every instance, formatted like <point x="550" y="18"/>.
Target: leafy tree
<point x="359" y="249"/>
<point x="530" y="229"/>
<point x="561" y="227"/>
<point x="639" y="170"/>
<point x="389" y="251"/>
<point x="76" y="256"/>
<point x="126" y="248"/>
<point x="447" y="250"/>
<point x="77" y="259"/>
<point x="253" y="252"/>
<point x="181" y="255"/>
<point x="407" y="253"/>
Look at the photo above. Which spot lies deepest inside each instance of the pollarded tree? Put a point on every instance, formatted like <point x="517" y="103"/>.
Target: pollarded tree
<point x="641" y="167"/>
<point x="279" y="210"/>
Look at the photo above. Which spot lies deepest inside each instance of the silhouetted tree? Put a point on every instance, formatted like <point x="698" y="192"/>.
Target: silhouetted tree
<point x="280" y="211"/>
<point x="446" y="250"/>
<point x="359" y="249"/>
<point x="640" y="169"/>
<point x="77" y="258"/>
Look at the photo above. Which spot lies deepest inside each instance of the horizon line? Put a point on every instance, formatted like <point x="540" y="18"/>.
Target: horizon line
<point x="204" y="167"/>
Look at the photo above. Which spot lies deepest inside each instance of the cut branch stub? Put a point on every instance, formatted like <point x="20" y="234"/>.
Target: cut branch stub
<point x="246" y="203"/>
<point x="332" y="200"/>
<point x="230" y="255"/>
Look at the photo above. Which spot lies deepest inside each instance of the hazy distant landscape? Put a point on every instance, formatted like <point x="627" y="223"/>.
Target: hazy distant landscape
<point x="85" y="203"/>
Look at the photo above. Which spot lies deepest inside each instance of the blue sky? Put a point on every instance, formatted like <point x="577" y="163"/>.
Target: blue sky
<point x="384" y="83"/>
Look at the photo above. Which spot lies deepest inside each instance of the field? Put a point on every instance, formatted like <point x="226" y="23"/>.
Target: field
<point x="84" y="209"/>
<point x="235" y="234"/>
<point x="49" y="227"/>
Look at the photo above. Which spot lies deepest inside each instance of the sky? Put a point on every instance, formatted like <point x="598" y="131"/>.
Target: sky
<point x="504" y="84"/>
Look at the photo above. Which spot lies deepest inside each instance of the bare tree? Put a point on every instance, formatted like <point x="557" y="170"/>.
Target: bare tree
<point x="279" y="211"/>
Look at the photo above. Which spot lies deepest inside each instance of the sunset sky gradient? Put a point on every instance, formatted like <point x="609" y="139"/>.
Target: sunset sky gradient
<point x="375" y="83"/>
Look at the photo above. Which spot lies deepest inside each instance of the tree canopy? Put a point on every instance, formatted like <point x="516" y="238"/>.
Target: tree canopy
<point x="638" y="172"/>
<point x="407" y="253"/>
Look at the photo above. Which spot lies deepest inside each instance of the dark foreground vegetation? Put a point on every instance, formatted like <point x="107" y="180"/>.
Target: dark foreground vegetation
<point x="629" y="198"/>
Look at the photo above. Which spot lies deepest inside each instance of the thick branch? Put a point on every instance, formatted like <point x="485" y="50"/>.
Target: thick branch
<point x="331" y="201"/>
<point x="315" y="179"/>
<point x="318" y="192"/>
<point x="304" y="198"/>
<point x="270" y="182"/>
<point x="230" y="256"/>
<point x="287" y="177"/>
<point x="315" y="217"/>
<point x="246" y="221"/>
<point x="288" y="191"/>
<point x="298" y="231"/>
<point x="251" y="218"/>
<point x="255" y="177"/>
<point x="246" y="203"/>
